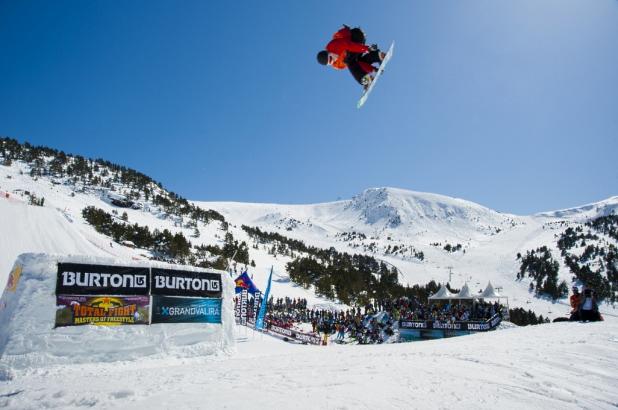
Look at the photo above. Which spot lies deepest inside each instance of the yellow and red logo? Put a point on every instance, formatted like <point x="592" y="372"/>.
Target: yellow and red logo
<point x="104" y="311"/>
<point x="240" y="283"/>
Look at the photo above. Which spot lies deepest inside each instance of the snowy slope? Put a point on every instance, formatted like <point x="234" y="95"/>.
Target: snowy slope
<point x="585" y="212"/>
<point x="556" y="366"/>
<point x="58" y="227"/>
<point x="38" y="229"/>
<point x="426" y="222"/>
<point x="561" y="365"/>
<point x="374" y="222"/>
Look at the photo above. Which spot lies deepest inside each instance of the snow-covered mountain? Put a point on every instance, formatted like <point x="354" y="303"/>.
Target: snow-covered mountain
<point x="425" y="236"/>
<point x="395" y="225"/>
<point x="586" y="212"/>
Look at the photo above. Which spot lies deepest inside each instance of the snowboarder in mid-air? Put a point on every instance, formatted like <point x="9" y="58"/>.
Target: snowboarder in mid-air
<point x="347" y="49"/>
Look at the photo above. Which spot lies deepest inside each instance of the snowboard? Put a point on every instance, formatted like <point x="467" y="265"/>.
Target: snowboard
<point x="366" y="93"/>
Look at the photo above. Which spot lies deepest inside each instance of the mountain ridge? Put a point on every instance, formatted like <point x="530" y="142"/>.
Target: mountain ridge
<point x="425" y="236"/>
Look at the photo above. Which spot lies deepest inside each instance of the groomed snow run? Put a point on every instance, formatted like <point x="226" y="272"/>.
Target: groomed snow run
<point x="553" y="366"/>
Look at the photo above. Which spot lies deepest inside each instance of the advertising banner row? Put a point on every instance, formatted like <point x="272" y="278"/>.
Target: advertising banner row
<point x="469" y="326"/>
<point x="294" y="335"/>
<point x="82" y="279"/>
<point x="246" y="317"/>
<point x="113" y="295"/>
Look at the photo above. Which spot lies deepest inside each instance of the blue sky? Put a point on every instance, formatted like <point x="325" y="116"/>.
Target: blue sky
<point x="511" y="104"/>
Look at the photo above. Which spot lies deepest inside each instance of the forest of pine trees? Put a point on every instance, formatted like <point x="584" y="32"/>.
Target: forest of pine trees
<point x="163" y="243"/>
<point x="352" y="279"/>
<point x="76" y="169"/>
<point x="596" y="253"/>
<point x="592" y="259"/>
<point x="543" y="269"/>
<point x="166" y="245"/>
<point x="522" y="317"/>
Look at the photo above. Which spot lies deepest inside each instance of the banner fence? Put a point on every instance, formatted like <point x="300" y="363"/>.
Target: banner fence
<point x="476" y="326"/>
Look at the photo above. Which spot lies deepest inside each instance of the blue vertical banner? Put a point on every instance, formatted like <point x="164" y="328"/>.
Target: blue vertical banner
<point x="259" y="323"/>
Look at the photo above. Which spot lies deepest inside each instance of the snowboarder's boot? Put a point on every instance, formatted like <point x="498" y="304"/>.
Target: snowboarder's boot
<point x="366" y="80"/>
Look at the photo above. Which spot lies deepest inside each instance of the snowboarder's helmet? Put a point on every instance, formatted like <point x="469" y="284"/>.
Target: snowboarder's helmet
<point x="323" y="57"/>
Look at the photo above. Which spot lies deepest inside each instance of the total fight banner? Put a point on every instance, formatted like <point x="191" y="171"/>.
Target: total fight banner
<point x="170" y="282"/>
<point x="75" y="310"/>
<point x="83" y="279"/>
<point x="170" y="309"/>
<point x="470" y="326"/>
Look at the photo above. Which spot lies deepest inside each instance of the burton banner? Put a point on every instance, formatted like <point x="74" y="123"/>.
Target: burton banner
<point x="474" y="326"/>
<point x="169" y="309"/>
<point x="304" y="338"/>
<point x="75" y="310"/>
<point x="170" y="282"/>
<point x="81" y="279"/>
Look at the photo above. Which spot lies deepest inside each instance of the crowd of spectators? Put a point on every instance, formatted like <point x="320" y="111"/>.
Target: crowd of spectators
<point x="375" y="323"/>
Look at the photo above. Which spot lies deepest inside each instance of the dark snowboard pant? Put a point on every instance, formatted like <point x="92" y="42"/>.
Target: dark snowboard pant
<point x="589" y="315"/>
<point x="353" y="59"/>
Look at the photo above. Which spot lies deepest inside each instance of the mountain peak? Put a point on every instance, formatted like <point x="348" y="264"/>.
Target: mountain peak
<point x="393" y="207"/>
<point x="584" y="212"/>
<point x="378" y="204"/>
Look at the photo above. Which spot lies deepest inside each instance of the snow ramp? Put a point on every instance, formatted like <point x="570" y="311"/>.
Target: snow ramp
<point x="38" y="328"/>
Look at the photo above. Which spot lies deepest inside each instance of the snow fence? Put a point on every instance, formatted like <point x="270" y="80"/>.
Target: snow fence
<point x="30" y="311"/>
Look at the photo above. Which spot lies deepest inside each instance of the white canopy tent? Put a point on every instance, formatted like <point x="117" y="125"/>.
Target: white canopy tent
<point x="490" y="293"/>
<point x="464" y="293"/>
<point x="442" y="294"/>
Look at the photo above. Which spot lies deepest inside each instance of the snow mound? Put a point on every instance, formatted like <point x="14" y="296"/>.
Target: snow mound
<point x="29" y="340"/>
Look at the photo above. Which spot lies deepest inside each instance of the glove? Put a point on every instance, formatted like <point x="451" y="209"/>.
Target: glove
<point x="373" y="47"/>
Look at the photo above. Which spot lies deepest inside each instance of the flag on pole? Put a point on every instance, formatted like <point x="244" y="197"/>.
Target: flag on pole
<point x="259" y="323"/>
<point x="244" y="282"/>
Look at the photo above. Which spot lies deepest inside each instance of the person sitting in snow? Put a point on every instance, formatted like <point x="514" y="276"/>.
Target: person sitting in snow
<point x="588" y="308"/>
<point x="575" y="301"/>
